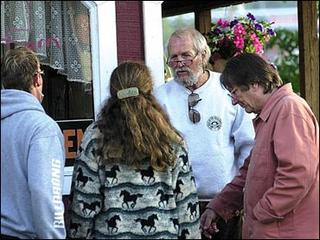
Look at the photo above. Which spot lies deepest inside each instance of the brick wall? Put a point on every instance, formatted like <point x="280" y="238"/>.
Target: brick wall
<point x="130" y="39"/>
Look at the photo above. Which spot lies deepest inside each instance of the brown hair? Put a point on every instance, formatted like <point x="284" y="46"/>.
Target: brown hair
<point x="18" y="68"/>
<point x="247" y="68"/>
<point x="136" y="128"/>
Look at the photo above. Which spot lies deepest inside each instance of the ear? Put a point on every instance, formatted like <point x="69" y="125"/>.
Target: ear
<point x="203" y="54"/>
<point x="36" y="81"/>
<point x="255" y="86"/>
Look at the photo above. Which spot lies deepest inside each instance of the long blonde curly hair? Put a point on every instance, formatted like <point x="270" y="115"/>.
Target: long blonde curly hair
<point x="136" y="129"/>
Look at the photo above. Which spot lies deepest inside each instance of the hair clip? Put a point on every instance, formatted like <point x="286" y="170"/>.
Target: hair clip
<point x="128" y="92"/>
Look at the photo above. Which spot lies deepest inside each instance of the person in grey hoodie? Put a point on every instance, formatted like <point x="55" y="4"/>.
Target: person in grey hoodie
<point x="32" y="153"/>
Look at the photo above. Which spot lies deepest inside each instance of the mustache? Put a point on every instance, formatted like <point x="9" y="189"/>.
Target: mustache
<point x="183" y="69"/>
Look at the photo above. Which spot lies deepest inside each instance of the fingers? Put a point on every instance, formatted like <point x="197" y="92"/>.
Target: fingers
<point x="213" y="228"/>
<point x="209" y="233"/>
<point x="208" y="223"/>
<point x="206" y="234"/>
<point x="207" y="218"/>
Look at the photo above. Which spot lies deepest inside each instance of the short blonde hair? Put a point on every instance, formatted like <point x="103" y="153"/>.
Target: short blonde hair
<point x="18" y="68"/>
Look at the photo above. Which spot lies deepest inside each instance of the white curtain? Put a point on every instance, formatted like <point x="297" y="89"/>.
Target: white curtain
<point x="58" y="31"/>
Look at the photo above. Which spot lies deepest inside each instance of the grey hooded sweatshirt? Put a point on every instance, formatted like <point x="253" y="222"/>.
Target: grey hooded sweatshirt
<point x="32" y="163"/>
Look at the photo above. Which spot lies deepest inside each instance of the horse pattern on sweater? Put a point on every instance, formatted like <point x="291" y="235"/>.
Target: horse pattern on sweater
<point x="124" y="202"/>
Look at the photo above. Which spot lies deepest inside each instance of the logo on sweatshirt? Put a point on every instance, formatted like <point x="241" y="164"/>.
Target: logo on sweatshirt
<point x="214" y="123"/>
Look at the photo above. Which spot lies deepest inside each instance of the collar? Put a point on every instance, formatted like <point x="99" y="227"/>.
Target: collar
<point x="275" y="97"/>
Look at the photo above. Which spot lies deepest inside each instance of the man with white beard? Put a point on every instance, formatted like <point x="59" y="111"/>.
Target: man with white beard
<point x="219" y="135"/>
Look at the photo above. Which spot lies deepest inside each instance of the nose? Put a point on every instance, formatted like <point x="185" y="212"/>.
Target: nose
<point x="180" y="63"/>
<point x="235" y="101"/>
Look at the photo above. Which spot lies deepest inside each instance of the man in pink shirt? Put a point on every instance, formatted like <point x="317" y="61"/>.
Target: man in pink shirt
<point x="278" y="185"/>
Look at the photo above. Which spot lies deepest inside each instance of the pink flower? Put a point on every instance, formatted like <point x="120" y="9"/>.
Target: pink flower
<point x="223" y="23"/>
<point x="239" y="30"/>
<point x="243" y="34"/>
<point x="238" y="42"/>
<point x="259" y="47"/>
<point x="253" y="38"/>
<point x="256" y="43"/>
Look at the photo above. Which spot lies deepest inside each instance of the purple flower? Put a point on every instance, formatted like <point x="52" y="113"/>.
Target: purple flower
<point x="217" y="31"/>
<point x="234" y="22"/>
<point x="270" y="31"/>
<point x="242" y="34"/>
<point x="258" y="27"/>
<point x="249" y="15"/>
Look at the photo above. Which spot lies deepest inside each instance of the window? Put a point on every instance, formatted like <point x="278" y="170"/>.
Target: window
<point x="59" y="32"/>
<point x="68" y="96"/>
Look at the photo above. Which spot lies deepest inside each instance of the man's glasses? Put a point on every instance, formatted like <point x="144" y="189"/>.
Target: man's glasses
<point x="193" y="100"/>
<point x="186" y="61"/>
<point x="39" y="72"/>
<point x="233" y="93"/>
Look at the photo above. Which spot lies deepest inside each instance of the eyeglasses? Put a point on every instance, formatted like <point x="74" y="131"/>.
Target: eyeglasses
<point x="193" y="100"/>
<point x="41" y="72"/>
<point x="186" y="61"/>
<point x="233" y="93"/>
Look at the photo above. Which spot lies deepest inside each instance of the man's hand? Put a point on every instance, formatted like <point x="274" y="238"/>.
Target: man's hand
<point x="208" y="223"/>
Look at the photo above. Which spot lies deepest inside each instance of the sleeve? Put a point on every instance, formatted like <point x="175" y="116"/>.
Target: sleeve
<point x="243" y="135"/>
<point x="296" y="149"/>
<point x="186" y="199"/>
<point x="86" y="198"/>
<point x="46" y="160"/>
<point x="229" y="202"/>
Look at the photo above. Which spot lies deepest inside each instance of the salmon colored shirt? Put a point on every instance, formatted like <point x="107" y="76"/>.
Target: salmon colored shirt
<point x="278" y="186"/>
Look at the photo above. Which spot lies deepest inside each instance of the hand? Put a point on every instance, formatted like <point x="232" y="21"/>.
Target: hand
<point x="208" y="223"/>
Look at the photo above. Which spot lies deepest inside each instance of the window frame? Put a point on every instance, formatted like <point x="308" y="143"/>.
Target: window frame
<point x="104" y="48"/>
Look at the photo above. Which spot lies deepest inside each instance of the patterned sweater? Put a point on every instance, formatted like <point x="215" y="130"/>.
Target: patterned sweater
<point x="121" y="201"/>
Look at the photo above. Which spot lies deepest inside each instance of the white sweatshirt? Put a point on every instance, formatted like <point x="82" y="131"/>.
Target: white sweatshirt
<point x="220" y="142"/>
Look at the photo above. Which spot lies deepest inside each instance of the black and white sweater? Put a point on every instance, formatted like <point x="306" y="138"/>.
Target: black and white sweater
<point x="120" y="201"/>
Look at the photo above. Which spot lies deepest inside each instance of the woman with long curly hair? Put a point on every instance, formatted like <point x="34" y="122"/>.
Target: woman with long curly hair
<point x="132" y="177"/>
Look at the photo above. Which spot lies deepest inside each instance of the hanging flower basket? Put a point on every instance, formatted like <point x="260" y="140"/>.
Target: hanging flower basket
<point x="243" y="34"/>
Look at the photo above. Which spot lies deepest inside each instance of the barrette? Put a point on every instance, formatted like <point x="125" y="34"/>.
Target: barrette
<point x="128" y="92"/>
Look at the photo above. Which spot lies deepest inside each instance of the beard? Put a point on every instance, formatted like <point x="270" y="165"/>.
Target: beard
<point x="191" y="80"/>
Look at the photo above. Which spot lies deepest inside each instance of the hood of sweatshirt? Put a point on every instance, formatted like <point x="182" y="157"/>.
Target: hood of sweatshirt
<point x="14" y="101"/>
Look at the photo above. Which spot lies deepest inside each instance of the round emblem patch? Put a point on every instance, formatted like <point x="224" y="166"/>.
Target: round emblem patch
<point x="214" y="123"/>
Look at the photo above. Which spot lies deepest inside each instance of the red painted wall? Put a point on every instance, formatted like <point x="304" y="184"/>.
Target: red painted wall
<point x="130" y="38"/>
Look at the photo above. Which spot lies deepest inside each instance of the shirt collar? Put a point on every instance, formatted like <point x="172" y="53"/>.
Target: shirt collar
<point x="275" y="97"/>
